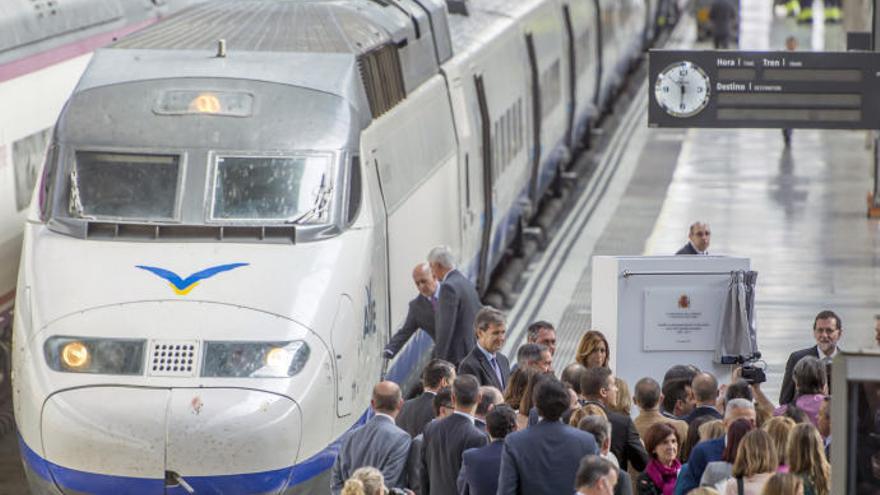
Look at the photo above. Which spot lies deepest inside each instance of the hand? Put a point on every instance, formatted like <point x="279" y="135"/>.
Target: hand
<point x="387" y="353"/>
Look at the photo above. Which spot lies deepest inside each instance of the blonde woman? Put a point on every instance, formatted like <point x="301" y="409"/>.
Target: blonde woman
<point x="624" y="399"/>
<point x="593" y="350"/>
<point x="806" y="458"/>
<point x="756" y="462"/>
<point x="365" y="481"/>
<point x="711" y="430"/>
<point x="584" y="411"/>
<point x="779" y="429"/>
<point x="783" y="484"/>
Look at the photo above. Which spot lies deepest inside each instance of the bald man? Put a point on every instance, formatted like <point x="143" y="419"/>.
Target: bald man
<point x="698" y="239"/>
<point x="421" y="310"/>
<point x="379" y="443"/>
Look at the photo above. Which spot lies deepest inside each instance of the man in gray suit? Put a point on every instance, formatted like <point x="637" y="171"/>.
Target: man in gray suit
<point x="418" y="411"/>
<point x="379" y="443"/>
<point x="600" y="428"/>
<point x="457" y="307"/>
<point x="421" y="310"/>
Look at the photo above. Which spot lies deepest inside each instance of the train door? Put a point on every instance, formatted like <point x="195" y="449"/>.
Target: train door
<point x="484" y="269"/>
<point x="571" y="61"/>
<point x="535" y="83"/>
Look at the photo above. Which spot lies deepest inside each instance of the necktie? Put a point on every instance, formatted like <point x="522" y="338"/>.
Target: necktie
<point x="497" y="370"/>
<point x="434" y="303"/>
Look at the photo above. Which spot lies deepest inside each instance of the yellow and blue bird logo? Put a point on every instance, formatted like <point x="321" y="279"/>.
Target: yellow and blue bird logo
<point x="183" y="286"/>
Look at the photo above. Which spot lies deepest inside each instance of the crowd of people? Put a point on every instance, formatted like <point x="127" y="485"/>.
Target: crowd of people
<point x="485" y="425"/>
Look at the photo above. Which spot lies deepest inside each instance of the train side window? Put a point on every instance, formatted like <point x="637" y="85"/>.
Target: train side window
<point x="355" y="191"/>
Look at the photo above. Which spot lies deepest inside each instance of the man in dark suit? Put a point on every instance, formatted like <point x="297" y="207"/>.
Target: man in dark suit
<point x="379" y="443"/>
<point x="600" y="428"/>
<point x="457" y="307"/>
<point x="418" y="411"/>
<point x="598" y="387"/>
<point x="827" y="329"/>
<point x="543" y="459"/>
<point x="421" y="310"/>
<point x="445" y="440"/>
<point x="442" y="407"/>
<point x="711" y="450"/>
<point x="485" y="361"/>
<point x="698" y="239"/>
<point x="480" y="467"/>
<point x="705" y="390"/>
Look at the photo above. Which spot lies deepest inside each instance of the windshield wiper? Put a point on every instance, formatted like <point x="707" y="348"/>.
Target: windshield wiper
<point x="322" y="201"/>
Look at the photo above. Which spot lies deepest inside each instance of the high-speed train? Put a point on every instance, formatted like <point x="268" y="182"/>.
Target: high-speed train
<point x="44" y="48"/>
<point x="220" y="240"/>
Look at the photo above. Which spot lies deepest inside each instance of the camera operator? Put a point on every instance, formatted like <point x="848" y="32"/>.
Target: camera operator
<point x="811" y="388"/>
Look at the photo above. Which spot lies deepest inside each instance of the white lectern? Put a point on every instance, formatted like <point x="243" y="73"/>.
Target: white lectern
<point x="658" y="311"/>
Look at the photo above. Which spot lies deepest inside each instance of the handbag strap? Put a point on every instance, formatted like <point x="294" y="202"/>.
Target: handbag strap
<point x="740" y="486"/>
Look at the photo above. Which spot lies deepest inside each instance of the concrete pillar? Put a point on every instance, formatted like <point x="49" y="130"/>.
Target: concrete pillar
<point x="857" y="15"/>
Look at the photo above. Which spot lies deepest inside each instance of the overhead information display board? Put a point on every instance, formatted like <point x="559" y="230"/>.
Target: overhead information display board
<point x="736" y="89"/>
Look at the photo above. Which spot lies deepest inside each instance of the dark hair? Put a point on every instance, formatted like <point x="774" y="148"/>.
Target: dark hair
<point x="516" y="386"/>
<point x="824" y="314"/>
<point x="528" y="397"/>
<point x="739" y="389"/>
<point x="527" y="353"/>
<point x="572" y="375"/>
<point x="647" y="393"/>
<point x="500" y="421"/>
<point x="656" y="434"/>
<point x="591" y="469"/>
<point x="594" y="380"/>
<point x="705" y="387"/>
<point x="386" y="402"/>
<point x="735" y="433"/>
<point x="487" y="400"/>
<point x="674" y="391"/>
<point x="535" y="328"/>
<point x="435" y="371"/>
<point x="809" y="376"/>
<point x="486" y="316"/>
<point x="598" y="426"/>
<point x="442" y="399"/>
<point x="551" y="399"/>
<point x="693" y="437"/>
<point x="685" y="372"/>
<point x="465" y="391"/>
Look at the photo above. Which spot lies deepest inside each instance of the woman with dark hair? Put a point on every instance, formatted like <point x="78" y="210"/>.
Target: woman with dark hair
<point x="659" y="477"/>
<point x="717" y="472"/>
<point x="693" y="437"/>
<point x="516" y="386"/>
<point x="593" y="350"/>
<point x="528" y="401"/>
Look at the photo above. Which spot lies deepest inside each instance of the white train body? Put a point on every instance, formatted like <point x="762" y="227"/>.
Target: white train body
<point x="252" y="218"/>
<point x="43" y="52"/>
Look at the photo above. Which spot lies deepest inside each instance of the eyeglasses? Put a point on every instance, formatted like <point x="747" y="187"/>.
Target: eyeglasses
<point x="826" y="331"/>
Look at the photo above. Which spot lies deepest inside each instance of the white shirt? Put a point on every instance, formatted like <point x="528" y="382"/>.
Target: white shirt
<point x="824" y="356"/>
<point x="706" y="252"/>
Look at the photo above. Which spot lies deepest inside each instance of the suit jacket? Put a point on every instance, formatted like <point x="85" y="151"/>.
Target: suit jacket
<point x="475" y="363"/>
<point x="543" y="459"/>
<point x="687" y="249"/>
<point x="624" y="483"/>
<point x="786" y="395"/>
<point x="647" y="419"/>
<point x="701" y="456"/>
<point x="479" y="470"/>
<point x="701" y="411"/>
<point x="456" y="308"/>
<point x="416" y="413"/>
<point x="420" y="315"/>
<point x="414" y="465"/>
<point x="445" y="441"/>
<point x="379" y="443"/>
<point x="626" y="444"/>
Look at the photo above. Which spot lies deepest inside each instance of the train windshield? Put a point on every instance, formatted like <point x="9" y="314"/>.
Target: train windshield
<point x="123" y="185"/>
<point x="290" y="189"/>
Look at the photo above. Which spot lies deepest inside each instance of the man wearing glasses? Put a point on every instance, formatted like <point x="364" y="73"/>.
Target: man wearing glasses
<point x="827" y="330"/>
<point x="698" y="239"/>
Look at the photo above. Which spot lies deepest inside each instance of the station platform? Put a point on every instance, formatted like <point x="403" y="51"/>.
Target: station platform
<point x="798" y="213"/>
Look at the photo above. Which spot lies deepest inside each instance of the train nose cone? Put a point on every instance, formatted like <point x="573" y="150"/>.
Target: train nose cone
<point x="139" y="440"/>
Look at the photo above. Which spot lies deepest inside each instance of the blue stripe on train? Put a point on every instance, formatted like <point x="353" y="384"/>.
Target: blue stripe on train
<point x="262" y="482"/>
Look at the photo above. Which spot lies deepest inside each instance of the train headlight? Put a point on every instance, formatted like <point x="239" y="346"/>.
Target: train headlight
<point x="255" y="359"/>
<point x="93" y="355"/>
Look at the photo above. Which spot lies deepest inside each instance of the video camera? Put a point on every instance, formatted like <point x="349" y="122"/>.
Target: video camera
<point x="751" y="371"/>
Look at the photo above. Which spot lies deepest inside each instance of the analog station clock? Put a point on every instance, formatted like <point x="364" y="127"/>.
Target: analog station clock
<point x="682" y="89"/>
